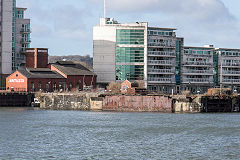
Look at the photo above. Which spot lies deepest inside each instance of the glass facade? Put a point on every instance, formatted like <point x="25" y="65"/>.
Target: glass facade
<point x="129" y="72"/>
<point x="127" y="54"/>
<point x="178" y="62"/>
<point x="127" y="36"/>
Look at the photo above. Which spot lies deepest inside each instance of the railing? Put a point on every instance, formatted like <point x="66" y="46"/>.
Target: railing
<point x="231" y="64"/>
<point x="198" y="63"/>
<point x="25" y="30"/>
<point x="161" y="53"/>
<point x="198" y="71"/>
<point x="191" y="80"/>
<point x="161" y="62"/>
<point x="160" y="80"/>
<point x="25" y="40"/>
<point x="231" y="72"/>
<point x="161" y="71"/>
<point x="155" y="44"/>
<point x="231" y="80"/>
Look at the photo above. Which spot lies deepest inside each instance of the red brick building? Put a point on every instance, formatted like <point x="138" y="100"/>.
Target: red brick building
<point x="38" y="75"/>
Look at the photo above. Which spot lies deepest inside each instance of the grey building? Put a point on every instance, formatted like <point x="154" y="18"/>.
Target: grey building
<point x="197" y="69"/>
<point x="22" y="40"/>
<point x="11" y="21"/>
<point x="227" y="68"/>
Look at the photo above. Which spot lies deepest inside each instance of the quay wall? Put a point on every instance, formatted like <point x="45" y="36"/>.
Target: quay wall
<point x="137" y="104"/>
<point x="91" y="101"/>
<point x="65" y="101"/>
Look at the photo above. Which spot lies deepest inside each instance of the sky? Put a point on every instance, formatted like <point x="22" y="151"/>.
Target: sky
<point x="65" y="26"/>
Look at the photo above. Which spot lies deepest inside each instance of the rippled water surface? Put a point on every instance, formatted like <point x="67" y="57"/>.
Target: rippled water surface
<point x="36" y="134"/>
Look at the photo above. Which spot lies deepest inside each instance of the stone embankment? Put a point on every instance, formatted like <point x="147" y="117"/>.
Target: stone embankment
<point x="92" y="101"/>
<point x="125" y="103"/>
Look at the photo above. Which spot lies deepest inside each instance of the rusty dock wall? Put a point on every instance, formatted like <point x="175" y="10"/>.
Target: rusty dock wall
<point x="137" y="104"/>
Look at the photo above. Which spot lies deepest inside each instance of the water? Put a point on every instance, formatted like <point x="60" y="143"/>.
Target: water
<point x="36" y="134"/>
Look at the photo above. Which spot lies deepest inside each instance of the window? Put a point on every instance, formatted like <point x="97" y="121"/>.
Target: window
<point x="39" y="86"/>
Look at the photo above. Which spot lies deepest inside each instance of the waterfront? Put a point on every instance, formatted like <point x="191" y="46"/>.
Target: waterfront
<point x="40" y="134"/>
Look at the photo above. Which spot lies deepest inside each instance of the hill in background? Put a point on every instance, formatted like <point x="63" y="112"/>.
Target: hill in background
<point x="85" y="60"/>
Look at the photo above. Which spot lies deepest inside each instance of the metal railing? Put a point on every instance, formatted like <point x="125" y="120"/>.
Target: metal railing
<point x="231" y="72"/>
<point x="198" y="63"/>
<point x="161" y="53"/>
<point x="161" y="62"/>
<point x="160" y="80"/>
<point x="25" y="40"/>
<point x="198" y="71"/>
<point x="231" y="80"/>
<point x="192" y="80"/>
<point x="157" y="44"/>
<point x="25" y="30"/>
<point x="161" y="71"/>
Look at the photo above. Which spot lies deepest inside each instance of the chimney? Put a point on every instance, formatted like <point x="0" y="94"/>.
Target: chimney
<point x="36" y="57"/>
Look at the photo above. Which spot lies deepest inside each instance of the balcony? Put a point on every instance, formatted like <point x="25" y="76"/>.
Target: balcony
<point x="230" y="65"/>
<point x="231" y="81"/>
<point x="197" y="72"/>
<point x="231" y="72"/>
<point x="160" y="45"/>
<point x="25" y="41"/>
<point x="197" y="64"/>
<point x="161" y="71"/>
<point x="161" y="53"/>
<point x="160" y="62"/>
<point x="197" y="80"/>
<point x="25" y="31"/>
<point x="160" y="80"/>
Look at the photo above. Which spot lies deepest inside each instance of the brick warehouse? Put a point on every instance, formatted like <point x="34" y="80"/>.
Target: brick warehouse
<point x="38" y="75"/>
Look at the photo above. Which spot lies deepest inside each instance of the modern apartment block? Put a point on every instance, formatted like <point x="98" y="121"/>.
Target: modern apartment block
<point x="10" y="33"/>
<point x="197" y="69"/>
<point x="22" y="40"/>
<point x="134" y="51"/>
<point x="227" y="68"/>
<point x="162" y="59"/>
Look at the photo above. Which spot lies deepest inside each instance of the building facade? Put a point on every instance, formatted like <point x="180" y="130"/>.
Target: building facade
<point x="197" y="69"/>
<point x="11" y="56"/>
<point x="135" y="51"/>
<point x="227" y="68"/>
<point x="38" y="75"/>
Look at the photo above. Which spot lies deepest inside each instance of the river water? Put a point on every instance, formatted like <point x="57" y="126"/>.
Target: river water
<point x="37" y="134"/>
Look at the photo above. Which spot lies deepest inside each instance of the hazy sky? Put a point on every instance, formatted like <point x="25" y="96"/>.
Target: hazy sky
<point x="65" y="26"/>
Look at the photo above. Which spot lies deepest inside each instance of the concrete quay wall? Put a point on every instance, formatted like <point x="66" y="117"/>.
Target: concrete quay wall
<point x="65" y="101"/>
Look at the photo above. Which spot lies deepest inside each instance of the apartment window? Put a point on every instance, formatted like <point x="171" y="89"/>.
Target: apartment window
<point x="39" y="86"/>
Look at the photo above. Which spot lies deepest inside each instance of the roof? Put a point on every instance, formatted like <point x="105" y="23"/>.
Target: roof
<point x="72" y="69"/>
<point x="39" y="73"/>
